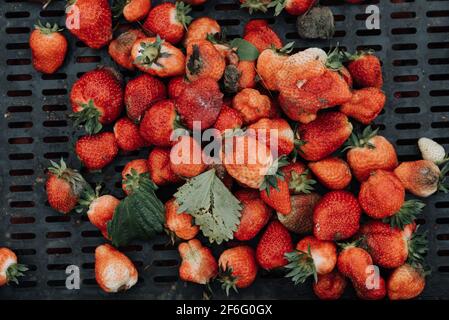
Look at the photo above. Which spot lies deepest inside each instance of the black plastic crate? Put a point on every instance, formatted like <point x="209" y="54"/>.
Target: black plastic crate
<point x="413" y="43"/>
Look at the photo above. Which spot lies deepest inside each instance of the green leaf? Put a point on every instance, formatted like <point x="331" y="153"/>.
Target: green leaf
<point x="215" y="209"/>
<point x="245" y="50"/>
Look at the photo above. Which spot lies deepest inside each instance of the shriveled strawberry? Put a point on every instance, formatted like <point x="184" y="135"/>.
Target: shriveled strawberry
<point x="158" y="123"/>
<point x="270" y="62"/>
<point x="277" y="196"/>
<point x="139" y="166"/>
<point x="336" y="216"/>
<point x="203" y="60"/>
<point x="90" y="21"/>
<point x="248" y="74"/>
<point x="273" y="245"/>
<point x="254" y="216"/>
<point x="252" y="105"/>
<point x="406" y="282"/>
<point x="366" y="70"/>
<point x="120" y="48"/>
<point x="228" y="119"/>
<point x="169" y="21"/>
<point x="200" y="29"/>
<point x="114" y="272"/>
<point x="10" y="270"/>
<point x="140" y="93"/>
<point x="421" y="178"/>
<point x="97" y="99"/>
<point x="198" y="264"/>
<point x="48" y="48"/>
<point x="179" y="225"/>
<point x="96" y="151"/>
<point x="136" y="10"/>
<point x="321" y="137"/>
<point x="127" y="135"/>
<point x="255" y="5"/>
<point x="64" y="186"/>
<point x="369" y="152"/>
<point x="275" y="133"/>
<point x="238" y="268"/>
<point x="157" y="57"/>
<point x="330" y="286"/>
<point x="186" y="158"/>
<point x="365" y="105"/>
<point x="300" y="218"/>
<point x="334" y="173"/>
<point x="200" y="102"/>
<point x="159" y="167"/>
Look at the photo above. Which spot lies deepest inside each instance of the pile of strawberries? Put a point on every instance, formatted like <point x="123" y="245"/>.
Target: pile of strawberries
<point x="188" y="73"/>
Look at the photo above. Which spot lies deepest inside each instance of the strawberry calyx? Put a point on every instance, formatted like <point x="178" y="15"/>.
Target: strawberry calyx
<point x="47" y="29"/>
<point x="182" y="11"/>
<point x="88" y="196"/>
<point x="151" y="52"/>
<point x="300" y="183"/>
<point x="227" y="279"/>
<point x="273" y="174"/>
<point x="254" y="6"/>
<point x="406" y="215"/>
<point x="89" y="116"/>
<point x="15" y="271"/>
<point x="335" y="59"/>
<point x="285" y="50"/>
<point x="361" y="140"/>
<point x="135" y="181"/>
<point x="359" y="54"/>
<point x="73" y="177"/>
<point x="118" y="6"/>
<point x="278" y="5"/>
<point x="443" y="185"/>
<point x="301" y="266"/>
<point x="357" y="243"/>
<point x="417" y="248"/>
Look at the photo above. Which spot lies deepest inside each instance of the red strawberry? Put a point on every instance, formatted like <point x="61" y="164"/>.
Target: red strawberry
<point x="127" y="135"/>
<point x="336" y="216"/>
<point x="186" y="158"/>
<point x="300" y="219"/>
<point x="263" y="37"/>
<point x="247" y="194"/>
<point x="140" y="93"/>
<point x="255" y="25"/>
<point x="198" y="264"/>
<point x="298" y="178"/>
<point x="48" y="48"/>
<point x="175" y="86"/>
<point x="169" y="21"/>
<point x="322" y="137"/>
<point x="158" y="123"/>
<point x="406" y="282"/>
<point x="97" y="151"/>
<point x="114" y="272"/>
<point x="200" y="29"/>
<point x="228" y="119"/>
<point x="63" y="187"/>
<point x="10" y="270"/>
<point x="136" y="10"/>
<point x="97" y="98"/>
<point x="334" y="173"/>
<point x="365" y="105"/>
<point x="277" y="196"/>
<point x="139" y="166"/>
<point x="330" y="286"/>
<point x="159" y="167"/>
<point x="293" y="7"/>
<point x="200" y="101"/>
<point x="179" y="225"/>
<point x="252" y="105"/>
<point x="254" y="216"/>
<point x="366" y="70"/>
<point x="120" y="48"/>
<point x="90" y="21"/>
<point x="275" y="133"/>
<point x="273" y="245"/>
<point x="238" y="268"/>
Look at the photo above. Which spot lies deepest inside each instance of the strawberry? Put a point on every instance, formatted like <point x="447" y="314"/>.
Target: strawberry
<point x="254" y="216"/>
<point x="140" y="93"/>
<point x="200" y="29"/>
<point x="198" y="264"/>
<point x="275" y="133"/>
<point x="344" y="72"/>
<point x="203" y="60"/>
<point x="336" y="216"/>
<point x="312" y="257"/>
<point x="421" y="178"/>
<point x="97" y="99"/>
<point x="114" y="272"/>
<point x="300" y="218"/>
<point x="179" y="224"/>
<point x="228" y="119"/>
<point x="321" y="137"/>
<point x="298" y="178"/>
<point x="247" y="160"/>
<point x="255" y="5"/>
<point x="293" y="7"/>
<point x="100" y="208"/>
<point x="369" y="152"/>
<point x="277" y="196"/>
<point x="406" y="282"/>
<point x="139" y="166"/>
<point x="273" y="245"/>
<point x="263" y="37"/>
<point x="252" y="105"/>
<point x="270" y="62"/>
<point x="186" y="158"/>
<point x="333" y="173"/>
<point x="238" y="268"/>
<point x="247" y="74"/>
<point x="10" y="270"/>
<point x="48" y="48"/>
<point x="365" y="105"/>
<point x="136" y="10"/>
<point x="366" y="70"/>
<point x="431" y="150"/>
<point x="157" y="57"/>
<point x="195" y="2"/>
<point x="90" y="21"/>
<point x="330" y="286"/>
<point x="96" y="151"/>
<point x="169" y="21"/>
<point x="127" y="135"/>
<point x="64" y="186"/>
<point x="246" y="194"/>
<point x="175" y="86"/>
<point x="159" y="167"/>
<point x="120" y="48"/>
<point x="200" y="102"/>
<point x="158" y="123"/>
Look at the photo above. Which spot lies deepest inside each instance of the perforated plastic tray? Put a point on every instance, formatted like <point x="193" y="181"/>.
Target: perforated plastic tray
<point x="413" y="43"/>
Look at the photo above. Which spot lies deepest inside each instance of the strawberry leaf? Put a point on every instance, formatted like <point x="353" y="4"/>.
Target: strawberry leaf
<point x="215" y="209"/>
<point x="245" y="50"/>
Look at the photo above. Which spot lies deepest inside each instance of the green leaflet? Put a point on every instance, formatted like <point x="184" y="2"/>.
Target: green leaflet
<point x="245" y="50"/>
<point x="214" y="207"/>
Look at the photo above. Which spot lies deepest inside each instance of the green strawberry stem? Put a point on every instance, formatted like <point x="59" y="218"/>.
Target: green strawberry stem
<point x="48" y="28"/>
<point x="182" y="11"/>
<point x="301" y="266"/>
<point x="273" y="174"/>
<point x="73" y="177"/>
<point x="254" y="6"/>
<point x="300" y="183"/>
<point x="15" y="271"/>
<point x="417" y="249"/>
<point x="151" y="52"/>
<point x="89" y="116"/>
<point x="361" y="140"/>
